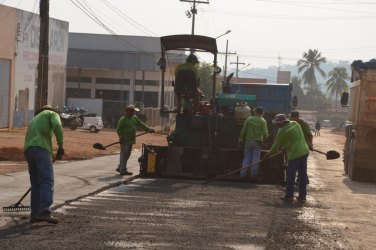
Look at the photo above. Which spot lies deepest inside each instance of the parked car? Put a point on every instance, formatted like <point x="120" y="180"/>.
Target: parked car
<point x="93" y="124"/>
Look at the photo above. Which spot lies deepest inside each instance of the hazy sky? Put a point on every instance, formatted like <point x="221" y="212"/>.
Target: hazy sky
<point x="261" y="30"/>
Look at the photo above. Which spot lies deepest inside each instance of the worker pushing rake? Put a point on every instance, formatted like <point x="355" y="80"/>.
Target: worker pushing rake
<point x="290" y="139"/>
<point x="330" y="155"/>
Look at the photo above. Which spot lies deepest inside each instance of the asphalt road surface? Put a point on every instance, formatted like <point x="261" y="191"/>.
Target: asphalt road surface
<point x="184" y="214"/>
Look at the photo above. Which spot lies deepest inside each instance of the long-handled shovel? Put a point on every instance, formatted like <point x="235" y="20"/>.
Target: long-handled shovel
<point x="237" y="170"/>
<point x="101" y="147"/>
<point x="330" y="155"/>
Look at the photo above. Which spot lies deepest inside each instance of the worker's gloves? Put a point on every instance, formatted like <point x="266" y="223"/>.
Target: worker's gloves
<point x="310" y="146"/>
<point x="240" y="144"/>
<point x="60" y="152"/>
<point x="151" y="130"/>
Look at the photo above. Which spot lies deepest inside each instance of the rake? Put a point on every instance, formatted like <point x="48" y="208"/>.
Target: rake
<point x="18" y="207"/>
<point x="237" y="170"/>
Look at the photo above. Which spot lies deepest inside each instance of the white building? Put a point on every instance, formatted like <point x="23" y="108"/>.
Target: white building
<point x="19" y="56"/>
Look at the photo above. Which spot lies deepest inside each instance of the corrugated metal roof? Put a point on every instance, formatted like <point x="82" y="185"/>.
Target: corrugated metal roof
<point x="99" y="51"/>
<point x="112" y="60"/>
<point x="114" y="43"/>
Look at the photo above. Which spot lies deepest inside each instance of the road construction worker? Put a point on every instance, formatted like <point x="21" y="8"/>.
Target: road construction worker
<point x="189" y="65"/>
<point x="295" y="116"/>
<point x="126" y="130"/>
<point x="290" y="139"/>
<point x="252" y="134"/>
<point x="38" y="153"/>
<point x="317" y="127"/>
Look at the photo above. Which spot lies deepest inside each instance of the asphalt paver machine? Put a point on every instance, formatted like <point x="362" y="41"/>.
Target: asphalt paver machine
<point x="204" y="143"/>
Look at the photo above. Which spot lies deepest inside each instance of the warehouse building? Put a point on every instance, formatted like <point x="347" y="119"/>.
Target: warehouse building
<point x="118" y="70"/>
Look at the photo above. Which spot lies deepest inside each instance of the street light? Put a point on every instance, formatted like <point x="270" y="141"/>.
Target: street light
<point x="223" y="34"/>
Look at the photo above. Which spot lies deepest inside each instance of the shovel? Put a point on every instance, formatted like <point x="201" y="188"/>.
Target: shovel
<point x="330" y="155"/>
<point x="101" y="147"/>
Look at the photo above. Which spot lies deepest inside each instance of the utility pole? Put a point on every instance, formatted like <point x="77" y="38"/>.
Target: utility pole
<point x="226" y="54"/>
<point x="237" y="67"/>
<point x="42" y="80"/>
<point x="194" y="11"/>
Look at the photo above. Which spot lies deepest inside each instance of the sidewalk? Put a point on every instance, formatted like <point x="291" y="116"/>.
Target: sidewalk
<point x="72" y="180"/>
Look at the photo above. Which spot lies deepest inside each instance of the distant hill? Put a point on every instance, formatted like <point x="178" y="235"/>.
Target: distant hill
<point x="270" y="73"/>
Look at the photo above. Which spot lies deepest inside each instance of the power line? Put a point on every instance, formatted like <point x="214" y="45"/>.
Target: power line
<point x="270" y="16"/>
<point x="128" y="19"/>
<point x="91" y="15"/>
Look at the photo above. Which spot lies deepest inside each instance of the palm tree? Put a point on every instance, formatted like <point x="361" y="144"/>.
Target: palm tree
<point x="337" y="82"/>
<point x="297" y="90"/>
<point x="309" y="64"/>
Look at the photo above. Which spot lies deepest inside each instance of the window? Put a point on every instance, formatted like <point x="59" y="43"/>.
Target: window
<point x="147" y="82"/>
<point x="78" y="79"/>
<point x="112" y="81"/>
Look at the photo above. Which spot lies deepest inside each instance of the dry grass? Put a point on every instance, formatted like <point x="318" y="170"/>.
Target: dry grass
<point x="78" y="145"/>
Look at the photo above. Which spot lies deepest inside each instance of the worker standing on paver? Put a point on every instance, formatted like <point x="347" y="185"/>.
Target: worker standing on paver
<point x="190" y="65"/>
<point x="38" y="153"/>
<point x="290" y="138"/>
<point x="126" y="130"/>
<point x="252" y="134"/>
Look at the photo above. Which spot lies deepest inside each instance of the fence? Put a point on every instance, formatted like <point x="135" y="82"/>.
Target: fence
<point x="154" y="119"/>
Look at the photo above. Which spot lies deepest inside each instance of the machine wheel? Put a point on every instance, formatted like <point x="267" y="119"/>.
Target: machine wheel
<point x="93" y="129"/>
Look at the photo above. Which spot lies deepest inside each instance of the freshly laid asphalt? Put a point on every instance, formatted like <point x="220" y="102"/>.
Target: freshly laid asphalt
<point x="73" y="179"/>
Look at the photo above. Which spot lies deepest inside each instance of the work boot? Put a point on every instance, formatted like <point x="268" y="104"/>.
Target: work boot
<point x="33" y="219"/>
<point x="126" y="173"/>
<point x="301" y="199"/>
<point x="47" y="218"/>
<point x="287" y="199"/>
<point x="117" y="170"/>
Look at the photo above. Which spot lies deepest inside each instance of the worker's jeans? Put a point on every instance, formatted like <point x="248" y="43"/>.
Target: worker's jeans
<point x="41" y="179"/>
<point x="252" y="153"/>
<point x="125" y="153"/>
<point x="300" y="165"/>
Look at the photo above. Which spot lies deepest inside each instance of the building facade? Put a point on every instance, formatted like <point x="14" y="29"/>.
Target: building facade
<point x="19" y="56"/>
<point x="121" y="70"/>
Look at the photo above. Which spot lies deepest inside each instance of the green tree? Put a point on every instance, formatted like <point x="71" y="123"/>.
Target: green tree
<point x="337" y="82"/>
<point x="315" y="99"/>
<point x="297" y="90"/>
<point x="309" y="64"/>
<point x="206" y="79"/>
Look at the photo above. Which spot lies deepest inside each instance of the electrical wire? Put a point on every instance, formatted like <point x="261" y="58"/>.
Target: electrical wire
<point x="128" y="19"/>
<point x="270" y="16"/>
<point x="88" y="12"/>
